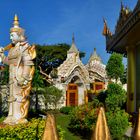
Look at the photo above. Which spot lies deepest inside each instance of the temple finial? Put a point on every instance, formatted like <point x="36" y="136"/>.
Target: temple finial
<point x="122" y="5"/>
<point x="73" y="39"/>
<point x="16" y="20"/>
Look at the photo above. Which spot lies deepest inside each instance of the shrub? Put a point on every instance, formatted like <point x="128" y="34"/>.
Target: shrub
<point x="30" y="131"/>
<point x="82" y="119"/>
<point x="66" y="109"/>
<point x="2" y="119"/>
<point x="53" y="96"/>
<point x="60" y="132"/>
<point x="118" y="123"/>
<point x="116" y="96"/>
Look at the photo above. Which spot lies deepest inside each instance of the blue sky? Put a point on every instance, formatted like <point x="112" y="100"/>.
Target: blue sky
<point x="54" y="21"/>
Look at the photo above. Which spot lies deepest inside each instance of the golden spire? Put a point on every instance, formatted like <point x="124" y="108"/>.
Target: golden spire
<point x="101" y="131"/>
<point x="16" y="27"/>
<point x="16" y="20"/>
<point x="137" y="128"/>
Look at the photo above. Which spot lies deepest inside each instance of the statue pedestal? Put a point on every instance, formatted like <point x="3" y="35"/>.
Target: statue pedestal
<point x="12" y="121"/>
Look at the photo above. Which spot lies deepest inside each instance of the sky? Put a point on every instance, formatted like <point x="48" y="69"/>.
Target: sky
<point x="54" y="21"/>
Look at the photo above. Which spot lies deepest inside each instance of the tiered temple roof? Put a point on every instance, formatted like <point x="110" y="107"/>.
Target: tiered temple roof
<point x="128" y="27"/>
<point x="73" y="63"/>
<point x="95" y="67"/>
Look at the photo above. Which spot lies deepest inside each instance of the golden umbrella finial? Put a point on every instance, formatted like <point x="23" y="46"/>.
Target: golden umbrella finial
<point x="137" y="128"/>
<point x="101" y="131"/>
<point x="16" y="20"/>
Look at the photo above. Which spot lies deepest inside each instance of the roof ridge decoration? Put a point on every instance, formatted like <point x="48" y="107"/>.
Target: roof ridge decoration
<point x="106" y="30"/>
<point x="137" y="6"/>
<point x="125" y="13"/>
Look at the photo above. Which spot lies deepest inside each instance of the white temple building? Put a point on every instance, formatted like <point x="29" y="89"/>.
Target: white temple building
<point x="77" y="79"/>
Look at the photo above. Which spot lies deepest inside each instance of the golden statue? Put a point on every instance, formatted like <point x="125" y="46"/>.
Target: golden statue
<point x="21" y="70"/>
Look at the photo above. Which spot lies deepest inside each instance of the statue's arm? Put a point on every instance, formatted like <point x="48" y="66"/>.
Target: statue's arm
<point x="28" y="66"/>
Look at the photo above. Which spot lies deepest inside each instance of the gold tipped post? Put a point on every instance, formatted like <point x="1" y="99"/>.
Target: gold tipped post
<point x="101" y="131"/>
<point x="137" y="128"/>
<point x="50" y="132"/>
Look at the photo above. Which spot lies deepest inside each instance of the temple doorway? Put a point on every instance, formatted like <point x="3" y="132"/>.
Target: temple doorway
<point x="72" y="95"/>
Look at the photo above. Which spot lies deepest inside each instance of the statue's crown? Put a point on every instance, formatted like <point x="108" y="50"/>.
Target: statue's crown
<point x="16" y="27"/>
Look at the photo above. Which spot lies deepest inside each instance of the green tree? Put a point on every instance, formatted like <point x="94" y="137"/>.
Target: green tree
<point x="116" y="96"/>
<point x="115" y="67"/>
<point x="53" y="96"/>
<point x="4" y="73"/>
<point x="0" y="104"/>
<point x="123" y="78"/>
<point x="37" y="84"/>
<point x="51" y="56"/>
<point x="118" y="123"/>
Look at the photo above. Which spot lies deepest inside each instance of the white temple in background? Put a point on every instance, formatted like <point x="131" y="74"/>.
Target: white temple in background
<point x="76" y="79"/>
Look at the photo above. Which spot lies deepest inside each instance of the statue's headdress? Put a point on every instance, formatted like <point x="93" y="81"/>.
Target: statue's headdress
<point x="16" y="27"/>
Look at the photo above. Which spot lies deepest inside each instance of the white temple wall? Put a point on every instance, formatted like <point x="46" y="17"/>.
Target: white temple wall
<point x="80" y="95"/>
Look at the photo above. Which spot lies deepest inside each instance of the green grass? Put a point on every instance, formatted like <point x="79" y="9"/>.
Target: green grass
<point x="63" y="121"/>
<point x="2" y="119"/>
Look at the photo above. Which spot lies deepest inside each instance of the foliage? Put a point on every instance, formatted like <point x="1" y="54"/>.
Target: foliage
<point x="101" y="97"/>
<point x="83" y="119"/>
<point x="37" y="84"/>
<point x="0" y="104"/>
<point x="4" y="75"/>
<point x="51" y="56"/>
<point x="118" y="123"/>
<point x="123" y="78"/>
<point x="37" y="80"/>
<point x="2" y="119"/>
<point x="30" y="131"/>
<point x="60" y="132"/>
<point x="63" y="121"/>
<point x="116" y="96"/>
<point x="53" y="96"/>
<point x="115" y="67"/>
<point x="66" y="109"/>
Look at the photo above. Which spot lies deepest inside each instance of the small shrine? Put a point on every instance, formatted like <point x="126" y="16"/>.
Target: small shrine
<point x="76" y="79"/>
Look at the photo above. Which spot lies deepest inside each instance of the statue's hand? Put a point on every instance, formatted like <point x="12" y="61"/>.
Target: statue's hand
<point x="1" y="50"/>
<point x="22" y="81"/>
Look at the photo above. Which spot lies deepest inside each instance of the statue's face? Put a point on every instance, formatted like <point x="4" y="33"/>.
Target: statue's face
<point x="14" y="37"/>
